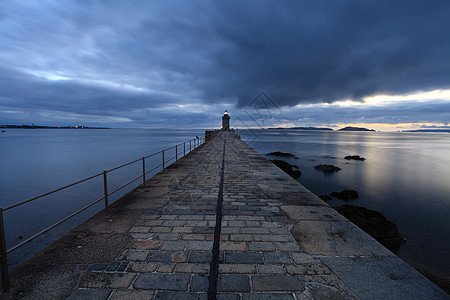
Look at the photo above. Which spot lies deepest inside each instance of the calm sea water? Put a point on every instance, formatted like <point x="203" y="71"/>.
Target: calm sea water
<point x="36" y="161"/>
<point x="406" y="176"/>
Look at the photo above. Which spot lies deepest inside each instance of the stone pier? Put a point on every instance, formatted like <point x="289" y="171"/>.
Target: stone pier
<point x="222" y="223"/>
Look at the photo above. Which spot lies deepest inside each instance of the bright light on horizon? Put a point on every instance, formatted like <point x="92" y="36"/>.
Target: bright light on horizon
<point x="382" y="99"/>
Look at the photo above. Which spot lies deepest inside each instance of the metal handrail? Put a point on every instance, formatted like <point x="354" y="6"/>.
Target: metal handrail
<point x="54" y="191"/>
<point x="4" y="252"/>
<point x="124" y="165"/>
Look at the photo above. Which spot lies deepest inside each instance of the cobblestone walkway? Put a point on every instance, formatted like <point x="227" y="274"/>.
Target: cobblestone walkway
<point x="276" y="241"/>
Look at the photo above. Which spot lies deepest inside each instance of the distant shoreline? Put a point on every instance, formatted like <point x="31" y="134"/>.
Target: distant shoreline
<point x="48" y="127"/>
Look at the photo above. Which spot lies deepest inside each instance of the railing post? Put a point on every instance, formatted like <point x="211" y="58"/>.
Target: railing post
<point x="184" y="149"/>
<point x="4" y="258"/>
<point x="143" y="170"/>
<point x="105" y="189"/>
<point x="176" y="153"/>
<point x="163" y="160"/>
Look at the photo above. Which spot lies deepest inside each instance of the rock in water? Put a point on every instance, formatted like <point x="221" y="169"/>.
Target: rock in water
<point x="327" y="168"/>
<point x="278" y="153"/>
<point x="346" y="195"/>
<point x="355" y="157"/>
<point x="373" y="223"/>
<point x="297" y="174"/>
<point x="287" y="168"/>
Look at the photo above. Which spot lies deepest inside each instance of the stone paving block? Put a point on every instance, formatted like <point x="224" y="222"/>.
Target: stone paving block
<point x="168" y="217"/>
<point x="158" y="229"/>
<point x="243" y="258"/>
<point x="141" y="236"/>
<point x="98" y="267"/>
<point x="241" y="237"/>
<point x="199" y="283"/>
<point x="186" y="229"/>
<point x="287" y="246"/>
<point x="106" y="280"/>
<point x="271" y="269"/>
<point x="167" y="236"/>
<point x="163" y="295"/>
<point x="365" y="276"/>
<point x="199" y="245"/>
<point x="200" y="229"/>
<point x="303" y="258"/>
<point x="134" y="255"/>
<point x="223" y="237"/>
<point x="140" y="229"/>
<point x="196" y="223"/>
<point x="123" y="266"/>
<point x="231" y="230"/>
<point x="190" y="217"/>
<point x="112" y="266"/>
<point x="309" y="269"/>
<point x="251" y="218"/>
<point x="226" y="296"/>
<point x="144" y="245"/>
<point x="318" y="291"/>
<point x="266" y="224"/>
<point x="138" y="266"/>
<point x="173" y="223"/>
<point x="167" y="256"/>
<point x="277" y="283"/>
<point x="257" y="230"/>
<point x="153" y="222"/>
<point x="200" y="256"/>
<point x="236" y="223"/>
<point x="233" y="283"/>
<point x="233" y="246"/>
<point x="195" y="237"/>
<point x="90" y="294"/>
<point x="261" y="246"/>
<point x="132" y="295"/>
<point x="165" y="268"/>
<point x="237" y="268"/>
<point x="192" y="268"/>
<point x="277" y="258"/>
<point x="272" y="237"/>
<point x="147" y="216"/>
<point x="161" y="281"/>
<point x="252" y="223"/>
<point x="173" y="245"/>
<point x="267" y="296"/>
<point x="279" y="230"/>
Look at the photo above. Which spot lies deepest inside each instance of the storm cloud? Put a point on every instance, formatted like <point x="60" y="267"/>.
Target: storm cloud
<point x="124" y="63"/>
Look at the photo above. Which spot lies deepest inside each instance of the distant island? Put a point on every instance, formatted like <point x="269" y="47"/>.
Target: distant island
<point x="429" y="130"/>
<point x="49" y="127"/>
<point x="302" y="128"/>
<point x="350" y="128"/>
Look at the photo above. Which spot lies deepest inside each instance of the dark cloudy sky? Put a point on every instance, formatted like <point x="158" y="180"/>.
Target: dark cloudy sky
<point x="383" y="63"/>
